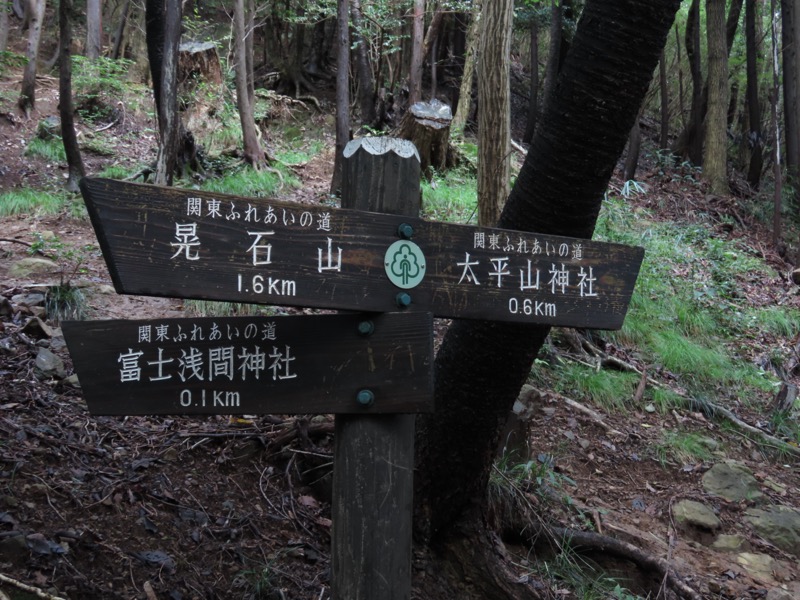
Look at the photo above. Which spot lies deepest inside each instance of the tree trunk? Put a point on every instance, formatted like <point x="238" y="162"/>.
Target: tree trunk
<point x="777" y="221"/>
<point x="119" y="36"/>
<point x="94" y="29"/>
<point x="366" y="97"/>
<point x="554" y="49"/>
<point x="533" y="99"/>
<point x="690" y="142"/>
<point x="3" y="26"/>
<point x="253" y="154"/>
<point x="249" y="36"/>
<point x="634" y="145"/>
<point x="754" y="140"/>
<point x="494" y="110"/>
<point x="465" y="92"/>
<point x="481" y="366"/>
<point x="417" y="43"/>
<point x="27" y="97"/>
<point x="163" y="30"/>
<point x="791" y="106"/>
<point x="716" y="155"/>
<point x="663" y="86"/>
<point x="74" y="161"/>
<point x="342" y="92"/>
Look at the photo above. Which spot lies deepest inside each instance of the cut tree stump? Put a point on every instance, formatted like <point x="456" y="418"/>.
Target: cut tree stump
<point x="198" y="62"/>
<point x="427" y="125"/>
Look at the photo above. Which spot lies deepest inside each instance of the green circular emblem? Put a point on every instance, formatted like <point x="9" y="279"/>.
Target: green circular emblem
<point x="405" y="264"/>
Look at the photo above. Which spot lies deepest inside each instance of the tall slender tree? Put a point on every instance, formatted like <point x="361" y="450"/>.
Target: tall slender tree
<point x="417" y="42"/>
<point x="253" y="154"/>
<point x="533" y="98"/>
<point x="4" y="8"/>
<point x="465" y="93"/>
<point x="754" y="139"/>
<point x="366" y="91"/>
<point x="494" y="110"/>
<point x="791" y="105"/>
<point x="715" y="151"/>
<point x="65" y="109"/>
<point x="342" y="91"/>
<point x="27" y="97"/>
<point x="94" y="29"/>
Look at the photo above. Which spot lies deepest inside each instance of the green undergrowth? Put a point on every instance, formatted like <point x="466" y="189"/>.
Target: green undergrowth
<point x="450" y="196"/>
<point x="689" y="319"/>
<point x="51" y="150"/>
<point x="29" y="201"/>
<point x="249" y="182"/>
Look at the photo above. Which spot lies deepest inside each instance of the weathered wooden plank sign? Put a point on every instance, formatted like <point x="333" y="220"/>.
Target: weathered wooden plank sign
<point x="363" y="364"/>
<point x="189" y="244"/>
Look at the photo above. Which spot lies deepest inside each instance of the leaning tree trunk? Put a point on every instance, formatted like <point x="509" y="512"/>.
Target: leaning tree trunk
<point x="481" y="366"/>
<point x="494" y="111"/>
<point x="74" y="161"/>
<point x="27" y="97"/>
<point x="465" y="92"/>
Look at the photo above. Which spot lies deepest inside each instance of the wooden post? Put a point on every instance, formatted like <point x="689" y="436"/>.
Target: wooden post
<point x="374" y="455"/>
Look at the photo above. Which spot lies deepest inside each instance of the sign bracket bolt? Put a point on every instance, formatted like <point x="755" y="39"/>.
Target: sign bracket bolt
<point x="403" y="300"/>
<point x="405" y="231"/>
<point x="365" y="398"/>
<point x="366" y="327"/>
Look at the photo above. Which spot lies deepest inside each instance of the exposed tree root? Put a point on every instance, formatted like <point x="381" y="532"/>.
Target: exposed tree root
<point x="472" y="565"/>
<point x="29" y="588"/>
<point x="586" y="541"/>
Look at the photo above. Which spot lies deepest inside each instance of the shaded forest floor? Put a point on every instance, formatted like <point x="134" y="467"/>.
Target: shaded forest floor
<point x="169" y="508"/>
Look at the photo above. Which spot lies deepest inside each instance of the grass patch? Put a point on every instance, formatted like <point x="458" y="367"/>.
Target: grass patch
<point x="452" y="198"/>
<point x="25" y="201"/>
<point x="116" y="172"/>
<point x="49" y="150"/>
<point x="684" y="447"/>
<point x="610" y="390"/>
<point x="775" y="320"/>
<point x="251" y="183"/>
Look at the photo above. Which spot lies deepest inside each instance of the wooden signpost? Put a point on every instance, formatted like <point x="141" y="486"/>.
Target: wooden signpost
<point x="255" y="365"/>
<point x="190" y="244"/>
<point x="395" y="268"/>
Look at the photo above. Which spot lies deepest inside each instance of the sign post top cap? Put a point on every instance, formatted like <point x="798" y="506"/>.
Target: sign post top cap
<point x="382" y="145"/>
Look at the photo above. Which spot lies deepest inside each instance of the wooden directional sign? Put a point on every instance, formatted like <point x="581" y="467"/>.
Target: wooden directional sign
<point x="190" y="244"/>
<point x="344" y="363"/>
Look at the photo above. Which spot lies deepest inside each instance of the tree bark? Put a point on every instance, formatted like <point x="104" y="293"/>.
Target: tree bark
<point x="74" y="161"/>
<point x="119" y="36"/>
<point x="634" y="145"/>
<point x="253" y="154"/>
<point x="481" y="366"/>
<point x="554" y="50"/>
<point x="94" y="29"/>
<point x="715" y="155"/>
<point x="663" y="86"/>
<point x="690" y="142"/>
<point x="754" y="140"/>
<point x="163" y="22"/>
<point x="791" y="105"/>
<point x="533" y="99"/>
<point x="366" y="96"/>
<point x="3" y="26"/>
<point x="342" y="92"/>
<point x="494" y="110"/>
<point x="465" y="93"/>
<point x="27" y="97"/>
<point x="417" y="43"/>
<point x="777" y="221"/>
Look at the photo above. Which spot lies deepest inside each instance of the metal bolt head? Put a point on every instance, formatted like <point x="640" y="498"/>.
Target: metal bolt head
<point x="365" y="398"/>
<point x="405" y="231"/>
<point x="366" y="328"/>
<point x="403" y="300"/>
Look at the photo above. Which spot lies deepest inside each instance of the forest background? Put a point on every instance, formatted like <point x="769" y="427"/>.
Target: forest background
<point x="251" y="98"/>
